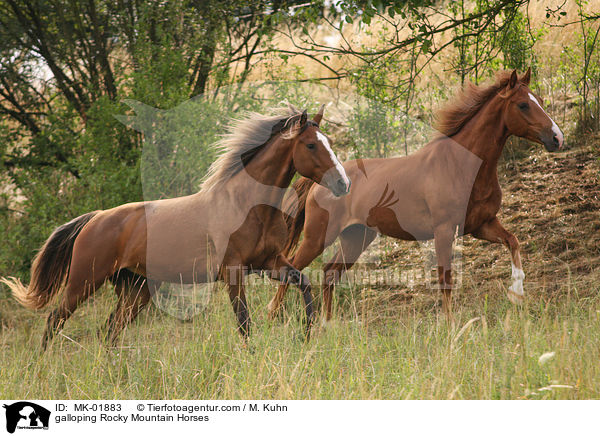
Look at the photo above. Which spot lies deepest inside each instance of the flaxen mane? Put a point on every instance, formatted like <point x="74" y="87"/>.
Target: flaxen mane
<point x="455" y="115"/>
<point x="243" y="140"/>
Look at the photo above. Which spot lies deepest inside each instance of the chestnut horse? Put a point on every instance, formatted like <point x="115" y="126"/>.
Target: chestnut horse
<point x="232" y="226"/>
<point x="448" y="187"/>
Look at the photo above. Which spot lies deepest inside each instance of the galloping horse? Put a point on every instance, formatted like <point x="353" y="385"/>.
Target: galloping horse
<point x="448" y="187"/>
<point x="232" y="226"/>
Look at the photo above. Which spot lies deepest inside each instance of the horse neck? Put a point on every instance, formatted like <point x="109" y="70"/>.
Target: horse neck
<point x="273" y="165"/>
<point x="485" y="134"/>
<point x="272" y="170"/>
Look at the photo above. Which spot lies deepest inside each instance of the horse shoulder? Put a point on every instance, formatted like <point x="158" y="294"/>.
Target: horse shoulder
<point x="261" y="237"/>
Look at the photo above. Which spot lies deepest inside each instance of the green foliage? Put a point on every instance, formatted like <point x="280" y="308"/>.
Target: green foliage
<point x="374" y="125"/>
<point x="384" y="117"/>
<point x="108" y="175"/>
<point x="517" y="43"/>
<point x="587" y="76"/>
<point x="577" y="73"/>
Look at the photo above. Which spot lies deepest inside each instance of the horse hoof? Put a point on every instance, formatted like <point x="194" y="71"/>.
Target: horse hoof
<point x="515" y="298"/>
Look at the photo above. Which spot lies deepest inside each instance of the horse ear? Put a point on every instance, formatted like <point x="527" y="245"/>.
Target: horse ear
<point x="513" y="79"/>
<point x="297" y="126"/>
<point x="303" y="118"/>
<point x="319" y="115"/>
<point x="526" y="77"/>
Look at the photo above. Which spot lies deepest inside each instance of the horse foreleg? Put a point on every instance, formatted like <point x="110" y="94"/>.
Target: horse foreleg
<point x="307" y="252"/>
<point x="494" y="232"/>
<point x="319" y="232"/>
<point x="353" y="241"/>
<point x="285" y="272"/>
<point x="234" y="278"/>
<point x="444" y="236"/>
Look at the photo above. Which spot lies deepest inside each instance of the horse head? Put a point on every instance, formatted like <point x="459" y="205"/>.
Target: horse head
<point x="313" y="156"/>
<point x="524" y="115"/>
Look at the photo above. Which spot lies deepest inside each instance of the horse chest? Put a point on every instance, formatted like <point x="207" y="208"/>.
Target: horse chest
<point x="261" y="242"/>
<point x="272" y="241"/>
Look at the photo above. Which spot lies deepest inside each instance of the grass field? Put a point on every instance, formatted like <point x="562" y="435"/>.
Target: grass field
<point x="491" y="354"/>
<point x="383" y="343"/>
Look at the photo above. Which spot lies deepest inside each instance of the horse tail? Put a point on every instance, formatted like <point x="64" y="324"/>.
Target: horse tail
<point x="50" y="267"/>
<point x="295" y="213"/>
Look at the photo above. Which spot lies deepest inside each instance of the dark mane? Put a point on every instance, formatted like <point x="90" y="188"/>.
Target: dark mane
<point x="244" y="139"/>
<point x="452" y="117"/>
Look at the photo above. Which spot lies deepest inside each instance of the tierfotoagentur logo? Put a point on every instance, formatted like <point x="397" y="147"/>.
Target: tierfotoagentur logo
<point x="24" y="415"/>
<point x="179" y="148"/>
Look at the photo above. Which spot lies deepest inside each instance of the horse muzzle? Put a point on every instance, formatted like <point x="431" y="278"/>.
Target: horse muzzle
<point x="341" y="187"/>
<point x="336" y="183"/>
<point x="552" y="139"/>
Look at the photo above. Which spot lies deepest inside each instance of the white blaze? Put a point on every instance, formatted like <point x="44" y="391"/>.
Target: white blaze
<point x="555" y="128"/>
<point x="334" y="159"/>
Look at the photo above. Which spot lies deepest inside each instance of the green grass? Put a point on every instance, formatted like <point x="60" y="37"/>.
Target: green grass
<point x="402" y="350"/>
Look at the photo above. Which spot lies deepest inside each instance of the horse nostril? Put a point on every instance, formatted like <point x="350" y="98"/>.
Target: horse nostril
<point x="555" y="140"/>
<point x="343" y="186"/>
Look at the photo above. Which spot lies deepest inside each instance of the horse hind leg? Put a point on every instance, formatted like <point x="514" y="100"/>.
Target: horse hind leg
<point x="77" y="290"/>
<point x="134" y="294"/>
<point x="93" y="260"/>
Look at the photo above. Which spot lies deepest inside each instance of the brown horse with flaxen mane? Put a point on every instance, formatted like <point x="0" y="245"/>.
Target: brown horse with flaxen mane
<point x="234" y="225"/>
<point x="449" y="187"/>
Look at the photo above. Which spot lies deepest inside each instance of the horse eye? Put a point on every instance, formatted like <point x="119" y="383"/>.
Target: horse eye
<point x="310" y="146"/>
<point x="523" y="106"/>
